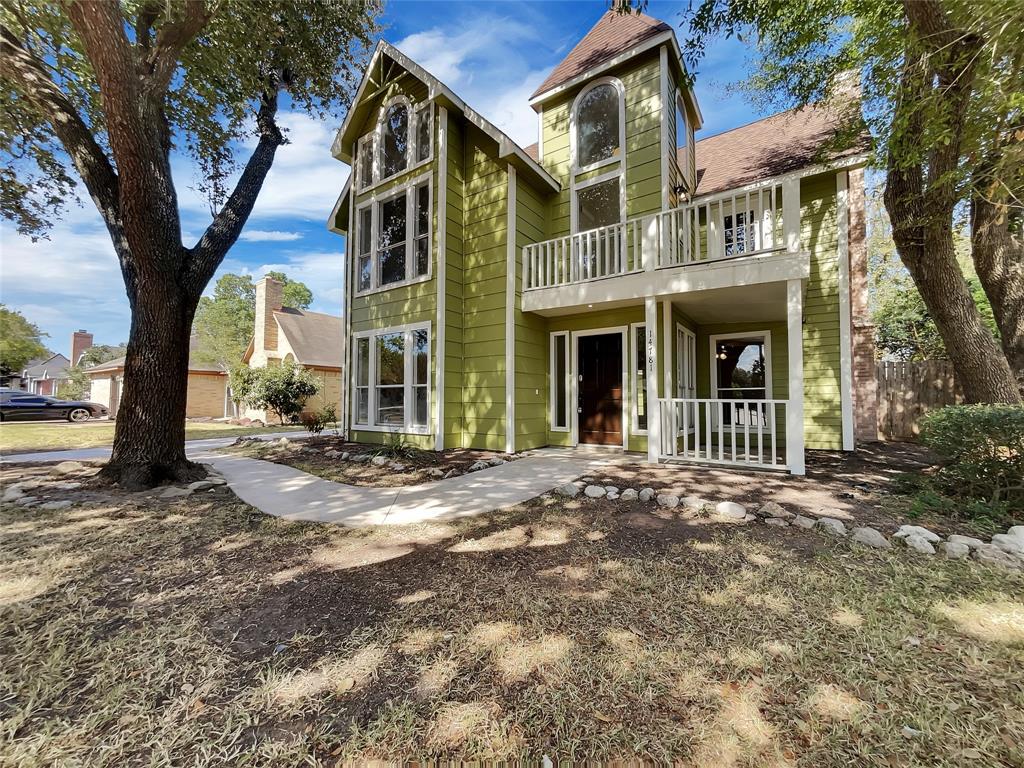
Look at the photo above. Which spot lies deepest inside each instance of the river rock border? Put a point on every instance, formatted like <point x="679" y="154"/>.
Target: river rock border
<point x="1005" y="550"/>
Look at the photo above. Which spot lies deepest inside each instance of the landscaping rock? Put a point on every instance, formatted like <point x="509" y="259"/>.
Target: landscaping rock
<point x="497" y="461"/>
<point x="919" y="543"/>
<point x="611" y="489"/>
<point x="360" y="458"/>
<point x="397" y="467"/>
<point x="804" y="522"/>
<point x="870" y="537"/>
<point x="284" y="441"/>
<point x="777" y="511"/>
<point x="345" y="456"/>
<point x="476" y="466"/>
<point x="63" y="485"/>
<point x="612" y="496"/>
<point x="26" y="501"/>
<point x="379" y="461"/>
<point x="435" y="472"/>
<point x="668" y="501"/>
<point x="776" y="522"/>
<point x="1009" y="543"/>
<point x="695" y="503"/>
<point x="67" y="468"/>
<point x="1017" y="531"/>
<point x="955" y="550"/>
<point x="630" y="494"/>
<point x="832" y="526"/>
<point x="967" y="541"/>
<point x="595" y="491"/>
<point x="12" y="493"/>
<point x="175" y="493"/>
<point x="569" y="489"/>
<point x="201" y="485"/>
<point x="646" y="494"/>
<point x="912" y="530"/>
<point x="731" y="509"/>
<point x="993" y="555"/>
<point x="63" y="504"/>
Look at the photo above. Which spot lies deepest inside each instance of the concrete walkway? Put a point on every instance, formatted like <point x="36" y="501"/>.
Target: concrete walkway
<point x="292" y="494"/>
<point x="296" y="495"/>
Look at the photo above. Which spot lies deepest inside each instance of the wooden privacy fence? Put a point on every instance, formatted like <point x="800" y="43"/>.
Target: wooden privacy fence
<point x="907" y="391"/>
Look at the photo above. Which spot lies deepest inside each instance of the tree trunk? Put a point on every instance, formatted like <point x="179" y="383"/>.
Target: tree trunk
<point x="149" y="438"/>
<point x="999" y="260"/>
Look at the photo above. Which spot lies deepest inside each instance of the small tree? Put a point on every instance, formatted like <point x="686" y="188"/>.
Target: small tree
<point x="283" y="389"/>
<point x="78" y="385"/>
<point x="20" y="341"/>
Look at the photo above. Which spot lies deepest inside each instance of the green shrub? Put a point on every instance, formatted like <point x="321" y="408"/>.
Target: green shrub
<point x="317" y="421"/>
<point x="981" y="451"/>
<point x="283" y="389"/>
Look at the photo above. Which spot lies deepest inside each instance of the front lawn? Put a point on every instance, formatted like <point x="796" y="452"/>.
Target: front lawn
<point x="199" y="632"/>
<point x="26" y="437"/>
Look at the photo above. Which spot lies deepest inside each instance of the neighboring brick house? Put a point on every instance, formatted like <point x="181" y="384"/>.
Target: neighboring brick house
<point x="620" y="283"/>
<point x="207" y="395"/>
<point x="288" y="335"/>
<point x="44" y="375"/>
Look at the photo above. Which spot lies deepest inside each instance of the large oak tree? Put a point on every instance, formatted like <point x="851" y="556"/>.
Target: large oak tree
<point x="943" y="88"/>
<point x="106" y="91"/>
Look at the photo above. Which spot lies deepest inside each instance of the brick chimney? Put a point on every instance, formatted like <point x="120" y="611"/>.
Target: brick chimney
<point x="268" y="300"/>
<point x="80" y="341"/>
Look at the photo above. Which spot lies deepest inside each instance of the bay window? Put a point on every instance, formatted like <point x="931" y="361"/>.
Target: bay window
<point x="393" y="237"/>
<point x="392" y="379"/>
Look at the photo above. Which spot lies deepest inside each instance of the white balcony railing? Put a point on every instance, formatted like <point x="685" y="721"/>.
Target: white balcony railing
<point x="734" y="432"/>
<point x="758" y="220"/>
<point x="591" y="255"/>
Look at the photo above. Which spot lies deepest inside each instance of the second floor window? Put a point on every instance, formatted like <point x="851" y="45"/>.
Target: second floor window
<point x="393" y="241"/>
<point x="402" y="140"/>
<point x="597" y="126"/>
<point x="395" y="140"/>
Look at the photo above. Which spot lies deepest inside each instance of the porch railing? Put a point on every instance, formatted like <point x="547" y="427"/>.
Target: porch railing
<point x="723" y="226"/>
<point x="747" y="433"/>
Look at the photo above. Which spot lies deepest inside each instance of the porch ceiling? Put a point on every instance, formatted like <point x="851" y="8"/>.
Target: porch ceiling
<point x="739" y="304"/>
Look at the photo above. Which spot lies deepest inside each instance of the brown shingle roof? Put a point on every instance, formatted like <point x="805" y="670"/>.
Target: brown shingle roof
<point x="533" y="151"/>
<point x="775" y="145"/>
<point x="315" y="338"/>
<point x="611" y="35"/>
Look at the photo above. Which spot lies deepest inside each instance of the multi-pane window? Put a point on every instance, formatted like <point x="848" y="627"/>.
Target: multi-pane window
<point x="403" y="138"/>
<point x="392" y="379"/>
<point x="597" y="125"/>
<point x="560" y="381"/>
<point x="598" y="205"/>
<point x="394" y="238"/>
<point x="738" y="229"/>
<point x="423" y="132"/>
<point x="364" y="257"/>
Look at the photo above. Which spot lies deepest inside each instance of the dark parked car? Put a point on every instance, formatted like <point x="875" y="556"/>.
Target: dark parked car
<point x="24" y="406"/>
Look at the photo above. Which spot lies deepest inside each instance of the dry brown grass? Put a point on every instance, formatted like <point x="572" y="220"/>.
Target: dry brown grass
<point x="201" y="633"/>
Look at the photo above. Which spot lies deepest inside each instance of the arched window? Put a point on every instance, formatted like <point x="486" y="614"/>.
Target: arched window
<point x="598" y="128"/>
<point x="395" y="139"/>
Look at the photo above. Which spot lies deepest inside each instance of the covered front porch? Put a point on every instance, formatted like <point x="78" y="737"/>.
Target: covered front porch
<point x="701" y="376"/>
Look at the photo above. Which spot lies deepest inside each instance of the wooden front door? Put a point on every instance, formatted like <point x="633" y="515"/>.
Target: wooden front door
<point x="600" y="389"/>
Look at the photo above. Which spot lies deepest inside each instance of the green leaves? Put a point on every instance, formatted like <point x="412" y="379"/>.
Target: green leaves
<point x="20" y="341"/>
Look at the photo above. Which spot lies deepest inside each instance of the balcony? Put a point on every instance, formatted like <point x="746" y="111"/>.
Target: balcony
<point x="646" y="254"/>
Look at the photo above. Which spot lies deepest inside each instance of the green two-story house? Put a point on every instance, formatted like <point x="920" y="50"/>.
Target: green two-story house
<point x="617" y="284"/>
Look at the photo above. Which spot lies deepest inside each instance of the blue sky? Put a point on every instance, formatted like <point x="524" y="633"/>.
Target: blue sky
<point x="493" y="54"/>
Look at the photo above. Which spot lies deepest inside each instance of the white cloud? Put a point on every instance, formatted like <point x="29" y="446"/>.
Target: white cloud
<point x="269" y="235"/>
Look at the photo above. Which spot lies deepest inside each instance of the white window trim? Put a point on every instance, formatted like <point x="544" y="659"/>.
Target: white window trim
<point x="713" y="340"/>
<point x="374" y="139"/>
<point x="367" y="143"/>
<point x="408" y="384"/>
<point x="682" y="334"/>
<point x="619" y="161"/>
<point x="567" y="354"/>
<point x="374" y="200"/>
<point x="634" y="384"/>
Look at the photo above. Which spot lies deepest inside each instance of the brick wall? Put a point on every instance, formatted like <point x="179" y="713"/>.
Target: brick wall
<point x="865" y="396"/>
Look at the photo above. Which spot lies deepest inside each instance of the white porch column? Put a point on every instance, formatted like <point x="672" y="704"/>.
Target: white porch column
<point x="791" y="213"/>
<point x="795" y="344"/>
<point x="653" y="407"/>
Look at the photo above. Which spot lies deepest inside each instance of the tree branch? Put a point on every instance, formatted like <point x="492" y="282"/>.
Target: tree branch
<point x="32" y="81"/>
<point x="227" y="225"/>
<point x="170" y="40"/>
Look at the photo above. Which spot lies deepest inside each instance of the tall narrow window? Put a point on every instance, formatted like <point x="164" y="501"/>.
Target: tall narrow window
<point x="420" y="376"/>
<point x="391" y="240"/>
<point x="640" y="376"/>
<point x="560" y="381"/>
<point x="422" y="235"/>
<point x="391" y="379"/>
<point x="423" y="132"/>
<point x="597" y="125"/>
<point x="364" y="243"/>
<point x="395" y="137"/>
<point x="364" y="162"/>
<point x="681" y="131"/>
<point x="598" y="205"/>
<point x="362" y="381"/>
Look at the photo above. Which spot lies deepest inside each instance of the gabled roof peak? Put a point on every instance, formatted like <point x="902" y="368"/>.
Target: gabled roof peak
<point x="613" y="34"/>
